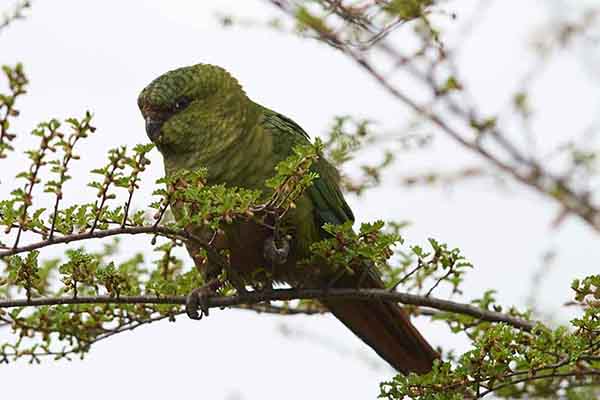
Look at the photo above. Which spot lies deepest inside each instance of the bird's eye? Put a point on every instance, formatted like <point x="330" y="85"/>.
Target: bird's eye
<point x="182" y="103"/>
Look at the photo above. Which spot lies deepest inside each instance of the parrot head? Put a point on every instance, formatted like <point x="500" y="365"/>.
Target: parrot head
<point x="187" y="109"/>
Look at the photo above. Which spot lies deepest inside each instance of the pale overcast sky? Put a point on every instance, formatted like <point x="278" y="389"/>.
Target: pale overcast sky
<point x="98" y="55"/>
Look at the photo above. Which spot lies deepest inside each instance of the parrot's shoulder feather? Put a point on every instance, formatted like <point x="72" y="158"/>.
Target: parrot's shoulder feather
<point x="325" y="194"/>
<point x="284" y="128"/>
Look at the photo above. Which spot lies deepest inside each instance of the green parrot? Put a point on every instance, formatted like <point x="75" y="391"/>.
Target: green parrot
<point x="199" y="116"/>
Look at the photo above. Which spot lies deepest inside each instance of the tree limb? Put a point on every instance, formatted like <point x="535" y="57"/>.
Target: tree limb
<point x="131" y="230"/>
<point x="286" y="295"/>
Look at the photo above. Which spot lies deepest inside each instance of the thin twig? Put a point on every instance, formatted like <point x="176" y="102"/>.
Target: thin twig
<point x="17" y="13"/>
<point x="577" y="373"/>
<point x="70" y="144"/>
<point x="38" y="162"/>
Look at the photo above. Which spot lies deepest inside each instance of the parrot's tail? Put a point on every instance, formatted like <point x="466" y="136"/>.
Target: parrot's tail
<point x="385" y="327"/>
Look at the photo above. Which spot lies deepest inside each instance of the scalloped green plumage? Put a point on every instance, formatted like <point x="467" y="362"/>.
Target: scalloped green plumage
<point x="199" y="116"/>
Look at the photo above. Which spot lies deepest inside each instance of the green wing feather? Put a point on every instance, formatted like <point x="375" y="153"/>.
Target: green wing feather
<point x="382" y="325"/>
<point x="325" y="194"/>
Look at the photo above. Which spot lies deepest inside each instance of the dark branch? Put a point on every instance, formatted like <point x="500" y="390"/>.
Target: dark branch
<point x="286" y="295"/>
<point x="134" y="230"/>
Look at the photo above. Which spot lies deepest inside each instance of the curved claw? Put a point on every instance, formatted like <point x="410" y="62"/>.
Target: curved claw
<point x="275" y="254"/>
<point x="197" y="299"/>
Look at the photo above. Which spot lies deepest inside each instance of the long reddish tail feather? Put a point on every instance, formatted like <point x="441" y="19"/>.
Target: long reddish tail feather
<point x="385" y="327"/>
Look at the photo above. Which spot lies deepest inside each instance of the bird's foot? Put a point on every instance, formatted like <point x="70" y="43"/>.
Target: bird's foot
<point x="276" y="250"/>
<point x="198" y="300"/>
<point x="335" y="278"/>
<point x="195" y="301"/>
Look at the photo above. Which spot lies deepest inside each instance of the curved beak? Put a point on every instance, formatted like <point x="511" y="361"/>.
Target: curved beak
<point x="153" y="128"/>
